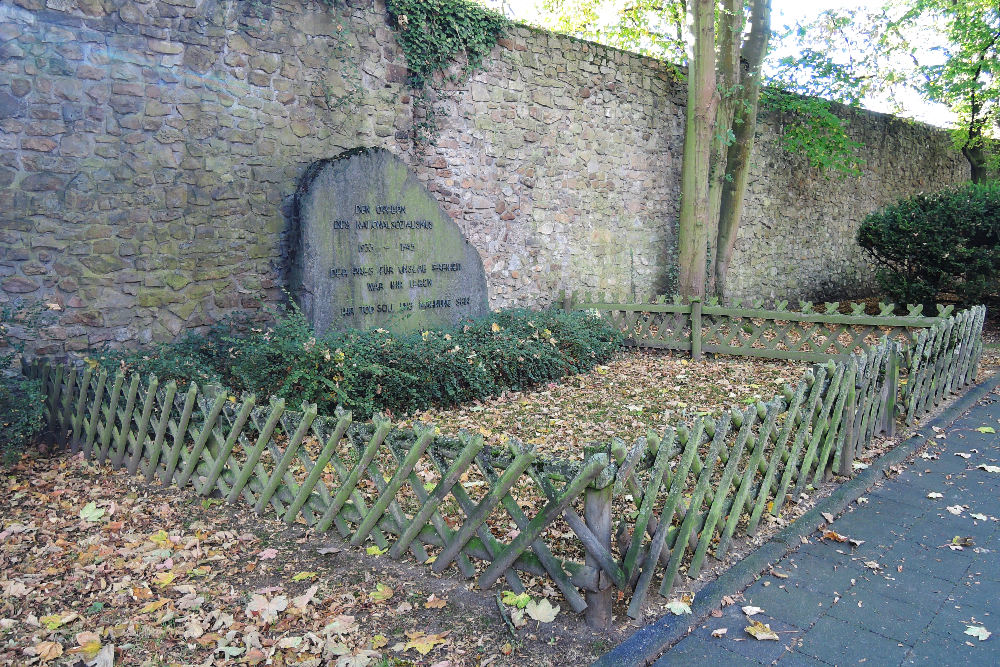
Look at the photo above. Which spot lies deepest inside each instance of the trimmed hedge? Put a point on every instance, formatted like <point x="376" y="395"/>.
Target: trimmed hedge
<point x="379" y="371"/>
<point x="929" y="244"/>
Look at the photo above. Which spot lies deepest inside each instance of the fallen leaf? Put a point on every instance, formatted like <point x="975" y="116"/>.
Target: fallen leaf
<point x="154" y="606"/>
<point x="935" y="494"/>
<point x="381" y="593"/>
<point x="986" y="429"/>
<point x="379" y="641"/>
<point x="833" y="535"/>
<point x="424" y="643"/>
<point x="266" y="610"/>
<point x="340" y="625"/>
<point x="678" y="607"/>
<point x="91" y="512"/>
<point x="544" y="611"/>
<point x="48" y="651"/>
<point x="873" y="565"/>
<point x="374" y="550"/>
<point x="955" y="509"/>
<point x="302" y="576"/>
<point x="512" y="599"/>
<point x="979" y="517"/>
<point x="827" y="516"/>
<point x="964" y="455"/>
<point x="302" y="601"/>
<point x="979" y="632"/>
<point x="267" y="554"/>
<point x="324" y="551"/>
<point x="720" y="632"/>
<point x="750" y="610"/>
<point x="434" y="602"/>
<point x="760" y="631"/>
<point x="989" y="468"/>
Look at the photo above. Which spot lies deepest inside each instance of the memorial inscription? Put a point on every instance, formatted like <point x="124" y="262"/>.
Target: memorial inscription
<point x="374" y="249"/>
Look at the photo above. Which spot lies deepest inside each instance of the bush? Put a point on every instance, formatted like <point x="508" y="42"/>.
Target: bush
<point x="943" y="242"/>
<point x="22" y="403"/>
<point x="379" y="371"/>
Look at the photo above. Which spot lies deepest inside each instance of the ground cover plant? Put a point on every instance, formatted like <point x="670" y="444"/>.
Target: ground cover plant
<point x="21" y="399"/>
<point x="379" y="371"/>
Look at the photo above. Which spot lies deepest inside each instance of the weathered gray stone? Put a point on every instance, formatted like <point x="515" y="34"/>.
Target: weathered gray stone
<point x="376" y="250"/>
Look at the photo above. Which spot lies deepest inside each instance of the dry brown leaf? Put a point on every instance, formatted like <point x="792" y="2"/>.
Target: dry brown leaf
<point x="761" y="631"/>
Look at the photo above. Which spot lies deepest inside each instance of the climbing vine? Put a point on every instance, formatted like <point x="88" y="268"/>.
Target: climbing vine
<point x="433" y="32"/>
<point x="814" y="131"/>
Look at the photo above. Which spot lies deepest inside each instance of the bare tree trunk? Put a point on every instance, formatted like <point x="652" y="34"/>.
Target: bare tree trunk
<point x="730" y="35"/>
<point x="744" y="129"/>
<point x="702" y="101"/>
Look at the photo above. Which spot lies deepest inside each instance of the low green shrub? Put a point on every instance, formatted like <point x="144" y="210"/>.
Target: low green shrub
<point x="379" y="371"/>
<point x="942" y="242"/>
<point x="22" y="403"/>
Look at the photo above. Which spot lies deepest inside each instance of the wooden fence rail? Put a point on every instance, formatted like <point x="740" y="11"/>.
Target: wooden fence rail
<point x="635" y="514"/>
<point x="808" y="334"/>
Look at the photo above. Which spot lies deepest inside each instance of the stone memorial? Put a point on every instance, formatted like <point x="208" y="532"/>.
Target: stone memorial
<point x="374" y="250"/>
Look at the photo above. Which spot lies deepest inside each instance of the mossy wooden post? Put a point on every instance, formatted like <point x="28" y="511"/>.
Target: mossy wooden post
<point x="597" y="516"/>
<point x="891" y="389"/>
<point x="696" y="329"/>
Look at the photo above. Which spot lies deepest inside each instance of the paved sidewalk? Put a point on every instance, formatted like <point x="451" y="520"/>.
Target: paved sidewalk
<point x="836" y="608"/>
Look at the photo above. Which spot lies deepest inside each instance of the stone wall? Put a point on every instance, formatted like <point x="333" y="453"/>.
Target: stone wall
<point x="149" y="151"/>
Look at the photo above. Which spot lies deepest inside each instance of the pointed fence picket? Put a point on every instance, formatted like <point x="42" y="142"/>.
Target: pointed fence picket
<point x="652" y="512"/>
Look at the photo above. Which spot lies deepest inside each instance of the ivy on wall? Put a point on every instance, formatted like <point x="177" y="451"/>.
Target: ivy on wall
<point x="433" y="32"/>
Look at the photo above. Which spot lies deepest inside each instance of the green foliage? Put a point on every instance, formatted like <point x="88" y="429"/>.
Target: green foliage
<point x="946" y="241"/>
<point x="433" y="32"/>
<point x="945" y="51"/>
<point x="21" y="399"/>
<point x="378" y="371"/>
<point x="812" y="130"/>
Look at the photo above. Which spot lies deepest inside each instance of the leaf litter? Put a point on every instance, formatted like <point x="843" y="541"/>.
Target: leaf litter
<point x="96" y="565"/>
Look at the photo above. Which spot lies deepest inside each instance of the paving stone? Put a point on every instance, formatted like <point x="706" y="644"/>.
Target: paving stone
<point x="695" y="650"/>
<point x="819" y="575"/>
<point x="885" y="616"/>
<point x="793" y="659"/>
<point x="934" y="651"/>
<point x="833" y="638"/>
<point x="794" y="605"/>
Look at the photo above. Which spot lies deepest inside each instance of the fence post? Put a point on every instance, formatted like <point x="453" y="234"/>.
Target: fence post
<point x="696" y="329"/>
<point x="892" y="389"/>
<point x="597" y="516"/>
<point x="850" y="414"/>
<point x="567" y="301"/>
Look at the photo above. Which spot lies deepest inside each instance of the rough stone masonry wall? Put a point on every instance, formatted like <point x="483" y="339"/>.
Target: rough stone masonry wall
<point x="149" y="150"/>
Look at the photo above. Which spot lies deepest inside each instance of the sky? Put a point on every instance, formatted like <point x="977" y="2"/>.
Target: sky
<point x="783" y="12"/>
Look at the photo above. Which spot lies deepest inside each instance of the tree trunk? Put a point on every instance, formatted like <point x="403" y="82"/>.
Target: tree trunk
<point x="730" y="27"/>
<point x="977" y="162"/>
<point x="744" y="129"/>
<point x="702" y="101"/>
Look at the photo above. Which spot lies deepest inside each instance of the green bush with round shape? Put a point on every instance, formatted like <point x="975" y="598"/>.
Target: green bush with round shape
<point x="935" y="244"/>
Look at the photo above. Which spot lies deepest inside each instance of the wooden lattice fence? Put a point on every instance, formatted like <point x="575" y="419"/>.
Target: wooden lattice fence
<point x="806" y="334"/>
<point x="623" y="518"/>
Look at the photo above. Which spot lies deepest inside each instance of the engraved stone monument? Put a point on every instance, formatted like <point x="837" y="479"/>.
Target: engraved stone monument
<point x="374" y="250"/>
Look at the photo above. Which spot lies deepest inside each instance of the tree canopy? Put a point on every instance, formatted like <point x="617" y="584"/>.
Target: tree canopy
<point x="943" y="52"/>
